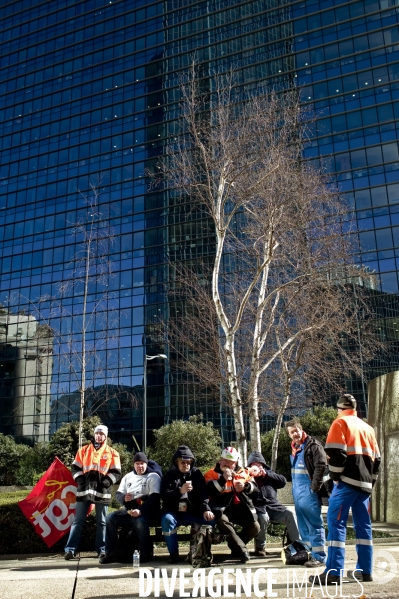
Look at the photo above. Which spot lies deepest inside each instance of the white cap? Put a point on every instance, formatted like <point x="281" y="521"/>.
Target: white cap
<point x="230" y="453"/>
<point x="101" y="428"/>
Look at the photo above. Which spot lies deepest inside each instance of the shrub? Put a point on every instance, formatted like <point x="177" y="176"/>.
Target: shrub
<point x="19" y="536"/>
<point x="11" y="455"/>
<point x="202" y="438"/>
<point x="283" y="465"/>
<point x="34" y="462"/>
<point x="24" y="465"/>
<point x="315" y="422"/>
<point x="126" y="457"/>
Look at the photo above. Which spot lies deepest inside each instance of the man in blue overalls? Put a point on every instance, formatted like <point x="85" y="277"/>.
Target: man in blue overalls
<point x="308" y="465"/>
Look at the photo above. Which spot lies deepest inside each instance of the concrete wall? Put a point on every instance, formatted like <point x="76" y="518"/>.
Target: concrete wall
<point x="383" y="393"/>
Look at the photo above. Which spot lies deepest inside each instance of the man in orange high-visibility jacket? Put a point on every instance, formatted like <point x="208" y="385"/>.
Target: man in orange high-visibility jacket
<point x="230" y="492"/>
<point x="354" y="462"/>
<point x="96" y="467"/>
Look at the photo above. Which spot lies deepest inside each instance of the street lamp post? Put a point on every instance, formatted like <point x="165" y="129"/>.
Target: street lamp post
<point x="163" y="357"/>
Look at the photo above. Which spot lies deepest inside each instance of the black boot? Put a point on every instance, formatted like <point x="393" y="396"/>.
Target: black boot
<point x="174" y="558"/>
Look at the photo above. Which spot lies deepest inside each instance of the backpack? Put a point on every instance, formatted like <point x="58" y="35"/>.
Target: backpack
<point x="126" y="545"/>
<point x="200" y="554"/>
<point x="295" y="554"/>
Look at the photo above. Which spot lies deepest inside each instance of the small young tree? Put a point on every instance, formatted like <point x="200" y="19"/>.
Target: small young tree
<point x="279" y="239"/>
<point x="84" y="342"/>
<point x="201" y="437"/>
<point x="87" y="336"/>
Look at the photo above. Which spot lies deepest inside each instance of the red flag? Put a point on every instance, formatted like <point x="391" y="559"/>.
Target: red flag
<point x="50" y="506"/>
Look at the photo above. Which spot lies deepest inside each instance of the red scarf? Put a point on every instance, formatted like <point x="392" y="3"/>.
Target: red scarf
<point x="294" y="447"/>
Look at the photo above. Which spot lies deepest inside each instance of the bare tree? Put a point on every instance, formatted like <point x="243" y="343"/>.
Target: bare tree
<point x="279" y="236"/>
<point x="85" y="350"/>
<point x="324" y="318"/>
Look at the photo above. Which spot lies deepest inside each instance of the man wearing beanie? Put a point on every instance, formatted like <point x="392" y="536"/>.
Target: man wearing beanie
<point x="184" y="497"/>
<point x="95" y="468"/>
<point x="139" y="493"/>
<point x="354" y="463"/>
<point x="266" y="503"/>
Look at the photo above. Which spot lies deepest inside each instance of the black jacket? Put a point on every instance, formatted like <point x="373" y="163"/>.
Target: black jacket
<point x="316" y="463"/>
<point x="266" y="498"/>
<point x="196" y="500"/>
<point x="223" y="501"/>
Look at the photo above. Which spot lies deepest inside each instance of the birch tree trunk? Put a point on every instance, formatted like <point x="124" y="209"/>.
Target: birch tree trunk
<point x="279" y="420"/>
<point x="228" y="329"/>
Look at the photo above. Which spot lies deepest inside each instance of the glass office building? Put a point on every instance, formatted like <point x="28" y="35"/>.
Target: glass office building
<point x="89" y="93"/>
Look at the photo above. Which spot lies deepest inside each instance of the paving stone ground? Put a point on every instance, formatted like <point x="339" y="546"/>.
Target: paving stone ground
<point x="52" y="577"/>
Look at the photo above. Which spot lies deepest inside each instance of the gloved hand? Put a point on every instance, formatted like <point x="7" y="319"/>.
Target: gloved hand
<point x="106" y="483"/>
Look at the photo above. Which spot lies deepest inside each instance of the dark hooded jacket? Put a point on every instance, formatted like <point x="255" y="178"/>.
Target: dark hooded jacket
<point x="266" y="498"/>
<point x="196" y="500"/>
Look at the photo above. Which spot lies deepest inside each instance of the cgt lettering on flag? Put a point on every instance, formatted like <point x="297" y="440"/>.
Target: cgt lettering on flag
<point x="50" y="506"/>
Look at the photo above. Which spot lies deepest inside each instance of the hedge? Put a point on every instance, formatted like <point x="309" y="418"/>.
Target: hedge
<point x="19" y="536"/>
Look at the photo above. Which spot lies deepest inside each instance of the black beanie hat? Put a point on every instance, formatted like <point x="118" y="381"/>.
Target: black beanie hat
<point x="140" y="457"/>
<point x="346" y="402"/>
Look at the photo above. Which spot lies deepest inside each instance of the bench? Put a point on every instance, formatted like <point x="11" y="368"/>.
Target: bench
<point x="157" y="536"/>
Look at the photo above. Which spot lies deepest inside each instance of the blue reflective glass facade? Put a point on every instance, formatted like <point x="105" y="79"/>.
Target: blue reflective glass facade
<point x="89" y="93"/>
<point x="347" y="57"/>
<point x="347" y="61"/>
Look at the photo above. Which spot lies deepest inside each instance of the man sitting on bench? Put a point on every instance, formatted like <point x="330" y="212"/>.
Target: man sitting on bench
<point x="139" y="492"/>
<point x="231" y="502"/>
<point x="266" y="503"/>
<point x="184" y="498"/>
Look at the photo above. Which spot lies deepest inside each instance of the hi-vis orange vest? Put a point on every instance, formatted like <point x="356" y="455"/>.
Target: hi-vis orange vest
<point x="91" y="467"/>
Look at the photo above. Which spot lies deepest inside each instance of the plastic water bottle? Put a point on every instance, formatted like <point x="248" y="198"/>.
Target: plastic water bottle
<point x="136" y="559"/>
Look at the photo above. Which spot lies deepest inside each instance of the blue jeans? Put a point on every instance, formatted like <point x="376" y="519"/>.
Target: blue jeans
<point x="170" y="522"/>
<point x="82" y="507"/>
<point x="260" y="539"/>
<point x="121" y="519"/>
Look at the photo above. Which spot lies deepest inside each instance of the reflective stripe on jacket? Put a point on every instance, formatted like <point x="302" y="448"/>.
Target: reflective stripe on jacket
<point x="94" y="471"/>
<point x="224" y="486"/>
<point x="353" y="450"/>
<point x="299" y="472"/>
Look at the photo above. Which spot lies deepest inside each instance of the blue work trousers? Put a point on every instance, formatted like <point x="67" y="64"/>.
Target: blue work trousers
<point x="342" y="498"/>
<point x="310" y="520"/>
